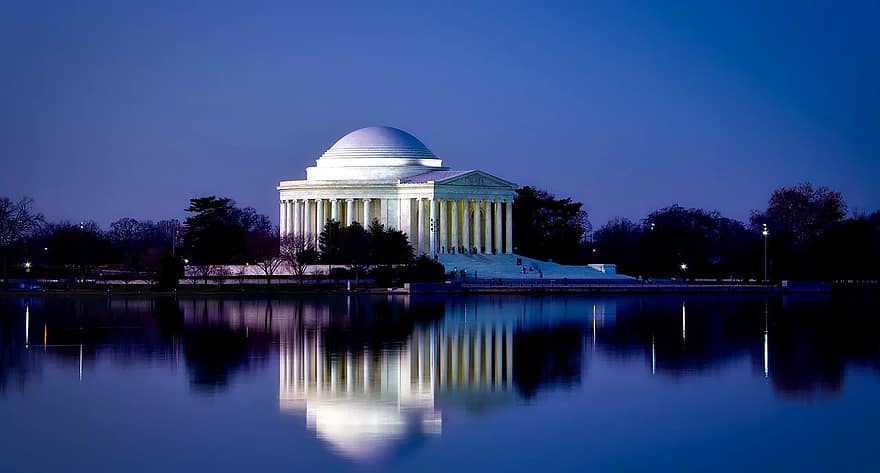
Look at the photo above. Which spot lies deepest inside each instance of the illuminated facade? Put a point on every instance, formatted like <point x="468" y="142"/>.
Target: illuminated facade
<point x="386" y="174"/>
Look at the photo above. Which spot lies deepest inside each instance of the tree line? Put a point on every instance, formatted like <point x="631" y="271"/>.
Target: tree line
<point x="806" y="230"/>
<point x="809" y="235"/>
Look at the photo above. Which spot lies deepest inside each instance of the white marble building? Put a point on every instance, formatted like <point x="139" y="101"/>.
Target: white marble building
<point x="386" y="174"/>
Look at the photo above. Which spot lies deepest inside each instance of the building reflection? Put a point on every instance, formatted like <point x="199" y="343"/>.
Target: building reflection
<point x="429" y="355"/>
<point x="366" y="399"/>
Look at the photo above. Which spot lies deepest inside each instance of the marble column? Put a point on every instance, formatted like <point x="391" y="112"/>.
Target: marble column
<point x="432" y="230"/>
<point x="349" y="212"/>
<point x="421" y="225"/>
<point x="466" y="225"/>
<point x="477" y="230"/>
<point x="488" y="227"/>
<point x="454" y="217"/>
<point x="334" y="210"/>
<point x="297" y="218"/>
<point x="509" y="230"/>
<point x="383" y="212"/>
<point x="497" y="205"/>
<point x="310" y="220"/>
<point x="367" y="216"/>
<point x="444" y="228"/>
<point x="289" y="220"/>
<point x="282" y="221"/>
<point x="319" y="211"/>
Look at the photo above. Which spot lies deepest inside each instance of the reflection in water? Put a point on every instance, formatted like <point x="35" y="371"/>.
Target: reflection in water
<point x="373" y="374"/>
<point x="359" y="401"/>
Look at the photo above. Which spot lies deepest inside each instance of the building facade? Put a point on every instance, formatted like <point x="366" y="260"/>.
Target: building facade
<point x="388" y="175"/>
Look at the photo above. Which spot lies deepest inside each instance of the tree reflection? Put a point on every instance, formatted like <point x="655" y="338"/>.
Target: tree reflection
<point x="479" y="350"/>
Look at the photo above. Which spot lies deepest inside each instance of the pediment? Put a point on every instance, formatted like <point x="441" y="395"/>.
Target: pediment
<point x="476" y="179"/>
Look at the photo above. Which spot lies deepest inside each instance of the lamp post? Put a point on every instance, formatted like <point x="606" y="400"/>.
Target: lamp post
<point x="765" y="232"/>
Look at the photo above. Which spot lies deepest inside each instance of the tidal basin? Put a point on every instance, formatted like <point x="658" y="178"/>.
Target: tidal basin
<point x="425" y="383"/>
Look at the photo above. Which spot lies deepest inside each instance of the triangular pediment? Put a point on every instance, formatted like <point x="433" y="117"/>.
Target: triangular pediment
<point x="476" y="179"/>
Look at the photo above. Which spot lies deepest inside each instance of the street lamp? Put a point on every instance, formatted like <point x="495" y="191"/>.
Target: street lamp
<point x="765" y="232"/>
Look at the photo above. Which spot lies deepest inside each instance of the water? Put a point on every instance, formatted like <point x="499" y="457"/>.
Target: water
<point x="439" y="384"/>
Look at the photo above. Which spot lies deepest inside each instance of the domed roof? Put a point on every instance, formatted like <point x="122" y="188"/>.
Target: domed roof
<point x="378" y="142"/>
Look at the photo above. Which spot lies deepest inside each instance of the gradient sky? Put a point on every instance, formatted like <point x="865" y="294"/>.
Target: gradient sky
<point x="114" y="109"/>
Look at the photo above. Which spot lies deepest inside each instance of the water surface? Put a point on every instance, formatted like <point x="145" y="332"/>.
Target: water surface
<point x="439" y="384"/>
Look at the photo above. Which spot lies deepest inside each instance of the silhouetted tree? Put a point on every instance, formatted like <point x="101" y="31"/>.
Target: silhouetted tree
<point x="298" y="253"/>
<point x="78" y="248"/>
<point x="216" y="233"/>
<point x="388" y="246"/>
<point x="18" y="221"/>
<point x="546" y="227"/>
<point x="796" y="217"/>
<point x="263" y="248"/>
<point x="330" y="243"/>
<point x="618" y="241"/>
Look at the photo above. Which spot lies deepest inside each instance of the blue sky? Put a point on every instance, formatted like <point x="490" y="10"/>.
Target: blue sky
<point x="115" y="109"/>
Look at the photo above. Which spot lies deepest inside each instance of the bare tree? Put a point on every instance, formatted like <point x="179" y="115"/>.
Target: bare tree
<point x="203" y="271"/>
<point x="263" y="246"/>
<point x="298" y="252"/>
<point x="17" y="222"/>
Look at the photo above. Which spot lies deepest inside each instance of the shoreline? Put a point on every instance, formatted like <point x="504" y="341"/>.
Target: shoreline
<point x="435" y="289"/>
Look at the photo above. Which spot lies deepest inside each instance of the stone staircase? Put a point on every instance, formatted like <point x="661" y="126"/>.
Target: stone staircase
<point x="505" y="267"/>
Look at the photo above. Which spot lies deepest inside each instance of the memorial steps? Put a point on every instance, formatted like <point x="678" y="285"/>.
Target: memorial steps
<point x="505" y="267"/>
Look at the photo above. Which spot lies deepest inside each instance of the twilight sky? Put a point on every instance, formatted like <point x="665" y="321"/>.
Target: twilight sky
<point x="113" y="109"/>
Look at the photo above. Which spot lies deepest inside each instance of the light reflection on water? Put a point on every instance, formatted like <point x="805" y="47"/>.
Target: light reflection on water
<point x="375" y="379"/>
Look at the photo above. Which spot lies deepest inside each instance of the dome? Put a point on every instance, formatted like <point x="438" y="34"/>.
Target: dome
<point x="374" y="153"/>
<point x="378" y="142"/>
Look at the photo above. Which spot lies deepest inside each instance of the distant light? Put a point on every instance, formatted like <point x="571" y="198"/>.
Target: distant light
<point x="765" y="232"/>
<point x="45" y="248"/>
<point x="27" y="265"/>
<point x="185" y="261"/>
<point x="683" y="266"/>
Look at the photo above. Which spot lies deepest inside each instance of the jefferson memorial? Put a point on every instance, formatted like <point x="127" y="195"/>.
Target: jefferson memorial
<point x="386" y="174"/>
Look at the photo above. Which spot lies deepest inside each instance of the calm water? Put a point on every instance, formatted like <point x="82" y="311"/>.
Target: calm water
<point x="440" y="384"/>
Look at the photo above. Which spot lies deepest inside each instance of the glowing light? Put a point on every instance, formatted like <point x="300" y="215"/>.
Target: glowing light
<point x="683" y="320"/>
<point x="683" y="266"/>
<point x="766" y="355"/>
<point x="27" y="265"/>
<point x="80" y="362"/>
<point x="653" y="356"/>
<point x="27" y="324"/>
